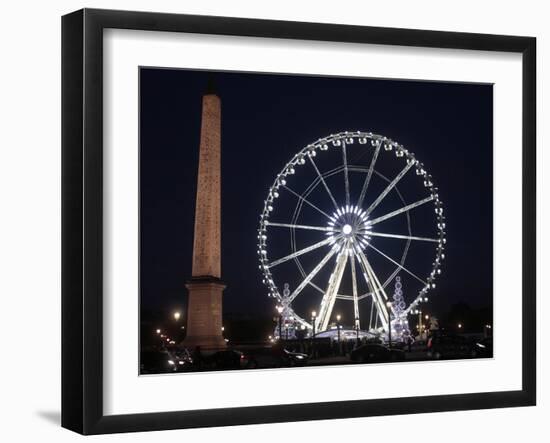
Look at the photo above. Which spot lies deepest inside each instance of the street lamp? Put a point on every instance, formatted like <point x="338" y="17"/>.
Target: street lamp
<point x="338" y="317"/>
<point x="460" y="326"/>
<point x="175" y="329"/>
<point x="280" y="311"/>
<point x="158" y="331"/>
<point x="419" y="327"/>
<point x="313" y="316"/>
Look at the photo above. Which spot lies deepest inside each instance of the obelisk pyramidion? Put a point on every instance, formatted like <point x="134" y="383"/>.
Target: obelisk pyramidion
<point x="204" y="309"/>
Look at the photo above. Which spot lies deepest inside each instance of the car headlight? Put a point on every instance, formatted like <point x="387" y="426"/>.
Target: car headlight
<point x="300" y="357"/>
<point x="171" y="362"/>
<point x="481" y="345"/>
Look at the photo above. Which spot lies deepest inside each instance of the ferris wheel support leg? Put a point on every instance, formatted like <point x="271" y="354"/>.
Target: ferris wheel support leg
<point x="376" y="288"/>
<point x="372" y="307"/>
<point x="381" y="313"/>
<point x="381" y="289"/>
<point x="355" y="298"/>
<point x="327" y="303"/>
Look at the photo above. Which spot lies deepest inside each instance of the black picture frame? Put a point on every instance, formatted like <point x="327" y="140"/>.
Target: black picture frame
<point x="82" y="220"/>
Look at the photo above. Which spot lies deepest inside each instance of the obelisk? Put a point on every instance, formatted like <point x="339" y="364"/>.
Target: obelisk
<point x="204" y="309"/>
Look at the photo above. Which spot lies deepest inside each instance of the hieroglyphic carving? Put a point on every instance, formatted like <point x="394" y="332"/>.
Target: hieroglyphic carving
<point x="206" y="246"/>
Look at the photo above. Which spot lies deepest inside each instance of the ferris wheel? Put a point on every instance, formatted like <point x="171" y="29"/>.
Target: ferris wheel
<point x="345" y="217"/>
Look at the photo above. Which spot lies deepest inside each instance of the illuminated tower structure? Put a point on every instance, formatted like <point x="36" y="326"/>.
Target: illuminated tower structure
<point x="204" y="309"/>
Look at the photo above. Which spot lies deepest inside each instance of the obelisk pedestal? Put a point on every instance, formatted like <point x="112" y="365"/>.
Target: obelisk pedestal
<point x="204" y="310"/>
<point x="204" y="319"/>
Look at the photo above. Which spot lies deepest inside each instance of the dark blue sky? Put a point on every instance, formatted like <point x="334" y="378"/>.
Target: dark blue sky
<point x="266" y="119"/>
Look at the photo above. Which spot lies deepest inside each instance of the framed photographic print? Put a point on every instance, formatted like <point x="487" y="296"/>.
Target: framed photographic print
<point x="270" y="221"/>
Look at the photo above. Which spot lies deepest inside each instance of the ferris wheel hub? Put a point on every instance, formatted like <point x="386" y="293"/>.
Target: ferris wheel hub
<point x="349" y="226"/>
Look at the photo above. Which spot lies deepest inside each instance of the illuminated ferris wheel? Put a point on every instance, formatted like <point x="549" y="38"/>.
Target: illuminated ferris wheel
<point x="342" y="219"/>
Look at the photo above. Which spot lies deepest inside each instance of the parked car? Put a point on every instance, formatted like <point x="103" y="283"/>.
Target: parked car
<point x="274" y="357"/>
<point x="291" y="358"/>
<point x="484" y="348"/>
<point x="185" y="360"/>
<point x="376" y="353"/>
<point x="227" y="359"/>
<point x="158" y="362"/>
<point x="419" y="346"/>
<point x="398" y="345"/>
<point x="450" y="346"/>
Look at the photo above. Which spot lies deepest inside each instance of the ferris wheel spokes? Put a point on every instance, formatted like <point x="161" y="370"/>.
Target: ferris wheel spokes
<point x="400" y="210"/>
<point x="346" y="174"/>
<point x="404" y="237"/>
<point x="369" y="175"/>
<point x="306" y="201"/>
<point x="323" y="181"/>
<point x="304" y="251"/>
<point x="398" y="264"/>
<point x="386" y="191"/>
<point x="294" y="226"/>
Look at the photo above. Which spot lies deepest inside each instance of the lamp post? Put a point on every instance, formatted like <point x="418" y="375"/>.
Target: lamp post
<point x="419" y="327"/>
<point x="175" y="327"/>
<point x="280" y="311"/>
<point x="159" y="335"/>
<point x="313" y="317"/>
<point x="338" y="317"/>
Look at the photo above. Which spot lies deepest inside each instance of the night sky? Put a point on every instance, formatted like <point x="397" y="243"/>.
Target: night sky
<point x="266" y="119"/>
